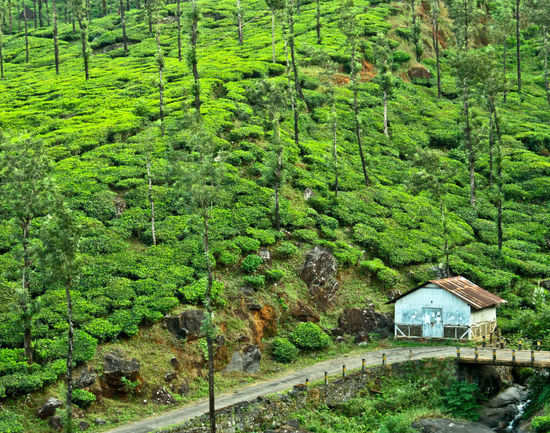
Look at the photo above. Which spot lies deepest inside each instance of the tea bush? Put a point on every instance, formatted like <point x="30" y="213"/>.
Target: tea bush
<point x="309" y="336"/>
<point x="283" y="350"/>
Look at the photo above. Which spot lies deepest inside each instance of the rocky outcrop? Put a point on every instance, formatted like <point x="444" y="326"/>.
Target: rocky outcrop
<point x="304" y="313"/>
<point x="161" y="395"/>
<point x="439" y="425"/>
<point x="86" y="378"/>
<point x="490" y="379"/>
<point x="500" y="410"/>
<point x="263" y="323"/>
<point x="186" y="325"/>
<point x="419" y="72"/>
<point x="360" y="322"/>
<point x="48" y="409"/>
<point x="246" y="360"/>
<point x="265" y="255"/>
<point x="115" y="367"/>
<point x="319" y="273"/>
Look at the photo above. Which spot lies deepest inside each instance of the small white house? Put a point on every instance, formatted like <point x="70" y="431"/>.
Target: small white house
<point x="453" y="308"/>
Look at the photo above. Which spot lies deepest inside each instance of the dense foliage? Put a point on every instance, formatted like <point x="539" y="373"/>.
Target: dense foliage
<point x="110" y="161"/>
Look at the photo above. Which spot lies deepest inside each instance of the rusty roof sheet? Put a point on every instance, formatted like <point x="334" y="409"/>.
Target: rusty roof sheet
<point x="464" y="289"/>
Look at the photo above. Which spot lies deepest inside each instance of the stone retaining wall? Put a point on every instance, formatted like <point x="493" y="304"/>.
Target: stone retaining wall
<point x="271" y="412"/>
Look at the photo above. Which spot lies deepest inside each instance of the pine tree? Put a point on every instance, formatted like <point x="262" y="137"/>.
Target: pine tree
<point x="350" y="27"/>
<point x="26" y="196"/>
<point x="501" y="27"/>
<point x="55" y="37"/>
<point x="61" y="236"/>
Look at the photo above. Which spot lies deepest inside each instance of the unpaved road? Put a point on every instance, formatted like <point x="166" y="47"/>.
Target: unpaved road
<point x="283" y="383"/>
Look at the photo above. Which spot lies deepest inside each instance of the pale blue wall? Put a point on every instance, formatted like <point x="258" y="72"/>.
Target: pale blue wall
<point x="408" y="310"/>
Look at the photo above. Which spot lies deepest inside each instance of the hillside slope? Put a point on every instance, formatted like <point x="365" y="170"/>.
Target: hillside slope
<point x="386" y="237"/>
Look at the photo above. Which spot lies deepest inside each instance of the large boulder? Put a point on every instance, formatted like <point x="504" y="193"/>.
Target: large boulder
<point x="160" y="395"/>
<point x="360" y="322"/>
<point x="86" y="378"/>
<point x="439" y="425"/>
<point x="304" y="313"/>
<point x="246" y="360"/>
<point x="419" y="72"/>
<point x="48" y="409"/>
<point x="502" y="409"/>
<point x="115" y="367"/>
<point x="186" y="325"/>
<point x="319" y="273"/>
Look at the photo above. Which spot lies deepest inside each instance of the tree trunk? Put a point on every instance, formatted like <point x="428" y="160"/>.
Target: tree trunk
<point x="128" y="5"/>
<point x="386" y="129"/>
<point x="178" y="18"/>
<point x="435" y="37"/>
<point x="318" y="25"/>
<point x="160" y="62"/>
<point x="334" y="148"/>
<point x="504" y="59"/>
<point x="83" y="24"/>
<point x="25" y="298"/>
<point x="150" y="15"/>
<point x="518" y="45"/>
<point x="47" y="13"/>
<point x="445" y="227"/>
<point x="469" y="145"/>
<point x="55" y="38"/>
<point x="209" y="342"/>
<point x="492" y="109"/>
<point x="356" y="111"/>
<point x="151" y="199"/>
<point x="10" y="17"/>
<point x="293" y="100"/>
<point x="35" y="11"/>
<point x="40" y="20"/>
<point x="299" y="92"/>
<point x="546" y="74"/>
<point x="239" y="22"/>
<point x="194" y="64"/>
<point x="491" y="146"/>
<point x="26" y="34"/>
<point x="69" y="377"/>
<point x="278" y="169"/>
<point x="1" y="50"/>
<point x="123" y="24"/>
<point x="274" y="57"/>
<point x="104" y="7"/>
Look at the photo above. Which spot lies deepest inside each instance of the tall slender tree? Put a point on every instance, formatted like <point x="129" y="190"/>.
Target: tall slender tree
<point x="178" y="21"/>
<point x="2" y="17"/>
<point x="61" y="235"/>
<point x="517" y="16"/>
<point x="318" y="22"/>
<point x="55" y="37"/>
<point x="290" y="9"/>
<point x="540" y="15"/>
<point x="239" y="13"/>
<point x="123" y="25"/>
<point x="192" y="58"/>
<point x="160" y="65"/>
<point x="350" y="27"/>
<point x="26" y="26"/>
<point x="500" y="29"/>
<point x="435" y="12"/>
<point x="275" y="6"/>
<point x="82" y="17"/>
<point x="26" y="196"/>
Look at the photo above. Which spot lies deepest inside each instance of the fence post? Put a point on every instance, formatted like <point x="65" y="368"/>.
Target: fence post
<point x="326" y="378"/>
<point x="384" y="359"/>
<point x="363" y="366"/>
<point x="458" y="353"/>
<point x="344" y="370"/>
<point x="494" y="355"/>
<point x="532" y="356"/>
<point x="307" y="382"/>
<point x="410" y="354"/>
<point x="520" y="344"/>
<point x="476" y="353"/>
<point x="538" y="345"/>
<point x="484" y="341"/>
<point x="513" y="356"/>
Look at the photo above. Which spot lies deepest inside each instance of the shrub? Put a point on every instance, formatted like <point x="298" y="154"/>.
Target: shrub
<point x="227" y="258"/>
<point x="308" y="336"/>
<point x="283" y="350"/>
<point x="286" y="250"/>
<point x="246" y="244"/>
<point x="82" y="398"/>
<point x="102" y="329"/>
<point x="255" y="281"/>
<point x="462" y="400"/>
<point x="266" y="237"/>
<point x="10" y="422"/>
<point x="541" y="424"/>
<point x="275" y="275"/>
<point x="305" y="235"/>
<point x="401" y="56"/>
<point x="194" y="293"/>
<point x="398" y="423"/>
<point x="251" y="263"/>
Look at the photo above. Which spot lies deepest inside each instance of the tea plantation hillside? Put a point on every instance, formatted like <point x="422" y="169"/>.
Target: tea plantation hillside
<point x="102" y="134"/>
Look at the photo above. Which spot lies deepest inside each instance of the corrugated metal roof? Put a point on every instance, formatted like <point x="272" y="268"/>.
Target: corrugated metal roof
<point x="464" y="289"/>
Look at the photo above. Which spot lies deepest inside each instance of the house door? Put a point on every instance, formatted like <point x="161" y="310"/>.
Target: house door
<point x="432" y="323"/>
